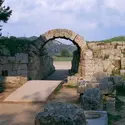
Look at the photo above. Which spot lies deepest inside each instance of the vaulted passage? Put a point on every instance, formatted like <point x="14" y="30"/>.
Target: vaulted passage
<point x="37" y="67"/>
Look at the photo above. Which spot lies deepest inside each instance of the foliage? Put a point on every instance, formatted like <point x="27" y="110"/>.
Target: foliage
<point x="118" y="38"/>
<point x="56" y="91"/>
<point x="115" y="72"/>
<point x="65" y="53"/>
<point x="113" y="118"/>
<point x="5" y="13"/>
<point x="55" y="47"/>
<point x="15" y="45"/>
<point x="63" y="59"/>
<point x="71" y="86"/>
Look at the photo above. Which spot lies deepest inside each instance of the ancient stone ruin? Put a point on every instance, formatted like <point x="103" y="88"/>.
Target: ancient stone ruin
<point x="89" y="60"/>
<point x="61" y="114"/>
<point x="35" y="51"/>
<point x="95" y="66"/>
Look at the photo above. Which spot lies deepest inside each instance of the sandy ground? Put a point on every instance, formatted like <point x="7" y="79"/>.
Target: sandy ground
<point x="62" y="65"/>
<point x="60" y="73"/>
<point x="25" y="113"/>
<point x="62" y="70"/>
<point x="19" y="114"/>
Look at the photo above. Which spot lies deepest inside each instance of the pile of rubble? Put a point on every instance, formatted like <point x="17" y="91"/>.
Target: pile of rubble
<point x="96" y="99"/>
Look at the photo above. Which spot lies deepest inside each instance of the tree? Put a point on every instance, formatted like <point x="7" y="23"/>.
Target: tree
<point x="5" y="13"/>
<point x="65" y="53"/>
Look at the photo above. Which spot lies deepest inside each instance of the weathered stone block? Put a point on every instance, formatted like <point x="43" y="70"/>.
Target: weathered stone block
<point x="48" y="35"/>
<point x="117" y="64"/>
<point x="1" y="68"/>
<point x="72" y="80"/>
<point x="3" y="60"/>
<point x="11" y="59"/>
<point x="96" y="117"/>
<point x="22" y="72"/>
<point x="14" y="81"/>
<point x="106" y="87"/>
<point x="21" y="58"/>
<point x="98" y="76"/>
<point x="80" y="41"/>
<point x="106" y="64"/>
<point x="92" y="99"/>
<point x="110" y="69"/>
<point x="109" y="103"/>
<point x="20" y="66"/>
<point x="59" y="33"/>
<point x="12" y="73"/>
<point x="7" y="67"/>
<point x="34" y="49"/>
<point x="84" y="85"/>
<point x="88" y="54"/>
<point x="61" y="114"/>
<point x="122" y="72"/>
<point x="119" y="47"/>
<point x="89" y="73"/>
<point x="117" y="80"/>
<point x="123" y="63"/>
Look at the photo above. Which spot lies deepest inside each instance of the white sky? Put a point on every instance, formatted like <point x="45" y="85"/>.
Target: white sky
<point x="92" y="19"/>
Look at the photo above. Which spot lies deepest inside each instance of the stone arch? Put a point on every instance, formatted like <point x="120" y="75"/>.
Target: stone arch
<point x="65" y="34"/>
<point x="35" y="48"/>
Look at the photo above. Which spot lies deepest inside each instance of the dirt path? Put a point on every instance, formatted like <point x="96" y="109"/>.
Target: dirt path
<point x="19" y="114"/>
<point x="24" y="113"/>
<point x="61" y="72"/>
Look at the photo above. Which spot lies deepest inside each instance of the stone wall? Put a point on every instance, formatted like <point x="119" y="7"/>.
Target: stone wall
<point x="92" y="60"/>
<point x="75" y="61"/>
<point x="40" y="67"/>
<point x="13" y="71"/>
<point x="108" y="58"/>
<point x="12" y="82"/>
<point x="40" y="63"/>
<point x="14" y="66"/>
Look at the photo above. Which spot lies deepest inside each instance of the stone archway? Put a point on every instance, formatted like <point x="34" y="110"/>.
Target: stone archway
<point x="35" y="49"/>
<point x="66" y="34"/>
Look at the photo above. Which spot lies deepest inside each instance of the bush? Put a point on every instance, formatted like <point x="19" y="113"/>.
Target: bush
<point x="14" y="45"/>
<point x="65" y="53"/>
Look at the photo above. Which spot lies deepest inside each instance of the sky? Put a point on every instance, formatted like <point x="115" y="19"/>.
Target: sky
<point x="92" y="19"/>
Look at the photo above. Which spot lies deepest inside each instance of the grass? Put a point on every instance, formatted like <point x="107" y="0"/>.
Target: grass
<point x="119" y="107"/>
<point x="56" y="91"/>
<point x="120" y="91"/>
<point x="70" y="86"/>
<point x="113" y="118"/>
<point x="63" y="58"/>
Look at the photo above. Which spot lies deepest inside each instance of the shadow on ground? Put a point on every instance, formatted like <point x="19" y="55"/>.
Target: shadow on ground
<point x="2" y="84"/>
<point x="59" y="74"/>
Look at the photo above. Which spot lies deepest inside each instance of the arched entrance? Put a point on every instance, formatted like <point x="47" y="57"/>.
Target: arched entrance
<point x="35" y="49"/>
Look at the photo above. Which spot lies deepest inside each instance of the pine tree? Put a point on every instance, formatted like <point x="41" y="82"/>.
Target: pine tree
<point x="5" y="13"/>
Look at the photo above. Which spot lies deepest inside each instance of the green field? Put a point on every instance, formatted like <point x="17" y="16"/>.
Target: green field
<point x="63" y="58"/>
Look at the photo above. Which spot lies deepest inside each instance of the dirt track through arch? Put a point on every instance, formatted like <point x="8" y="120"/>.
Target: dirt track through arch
<point x="61" y="72"/>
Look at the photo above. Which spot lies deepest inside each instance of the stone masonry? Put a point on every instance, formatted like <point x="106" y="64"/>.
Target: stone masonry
<point x="35" y="51"/>
<point x="94" y="58"/>
<point x="108" y="58"/>
<point x="13" y="71"/>
<point x="14" y="66"/>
